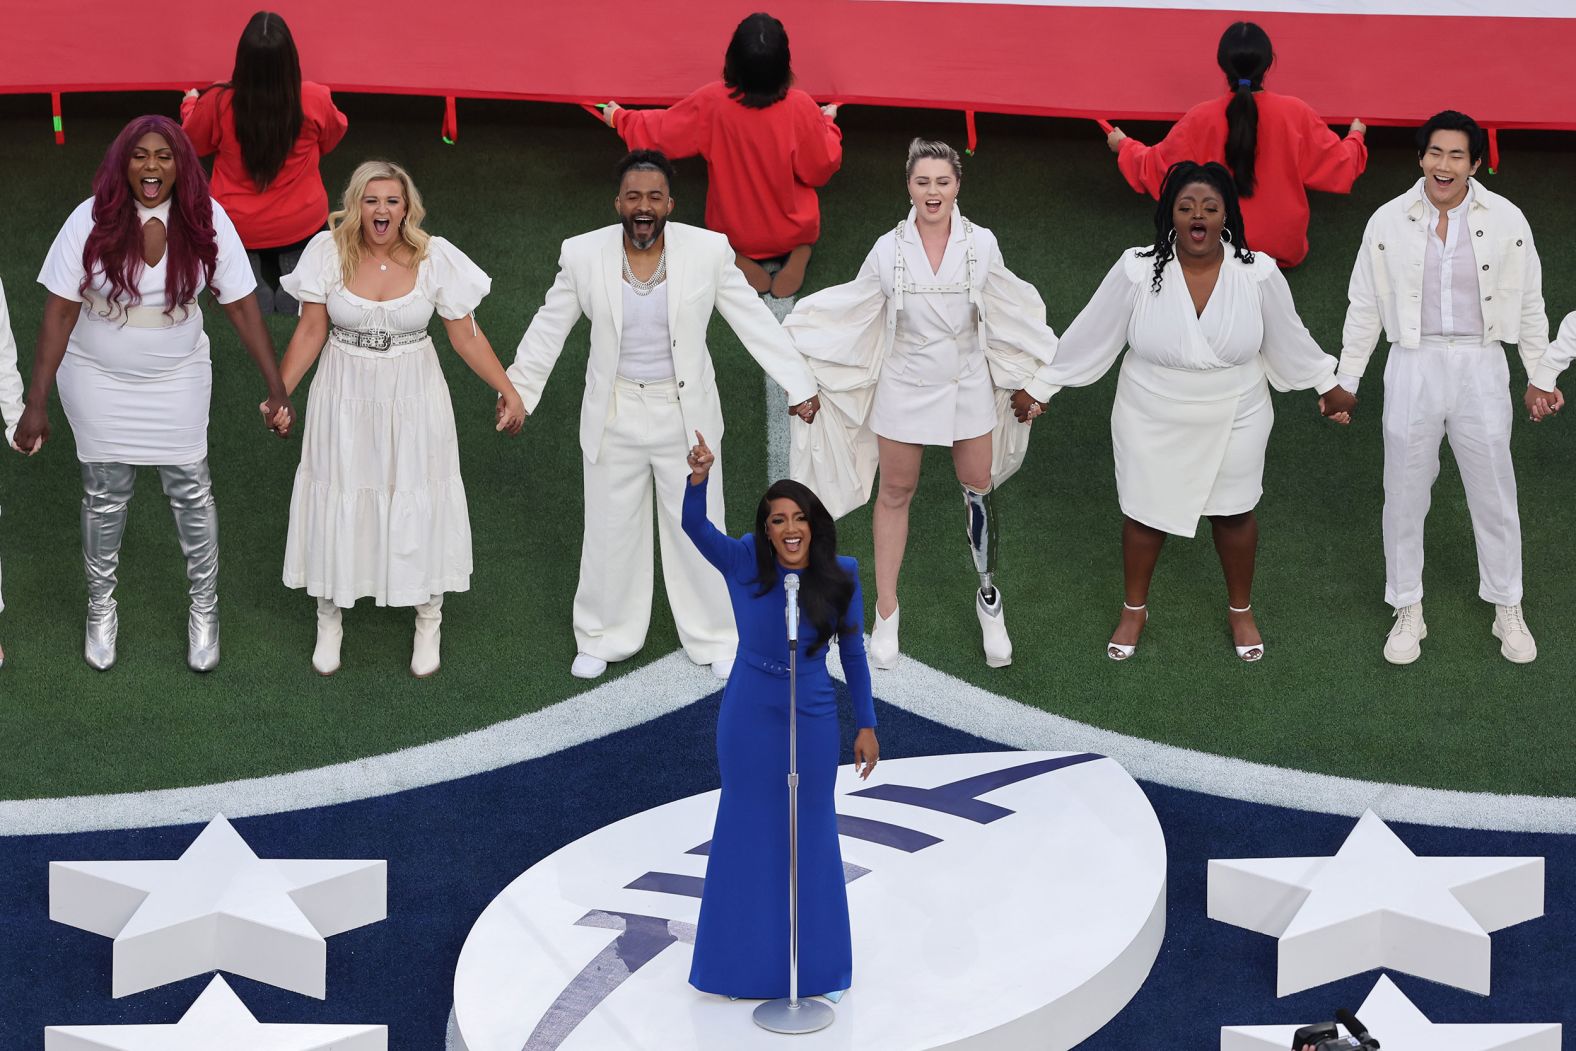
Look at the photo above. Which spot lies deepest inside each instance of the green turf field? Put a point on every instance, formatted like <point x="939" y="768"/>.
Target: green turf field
<point x="522" y="178"/>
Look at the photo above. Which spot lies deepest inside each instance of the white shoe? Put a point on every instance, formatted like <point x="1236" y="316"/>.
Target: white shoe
<point x="1251" y="653"/>
<point x="1510" y="628"/>
<point x="1404" y="644"/>
<point x="723" y="668"/>
<point x="424" y="649"/>
<point x="1121" y="651"/>
<point x="587" y="666"/>
<point x="330" y="633"/>
<point x="883" y="641"/>
<point x="998" y="647"/>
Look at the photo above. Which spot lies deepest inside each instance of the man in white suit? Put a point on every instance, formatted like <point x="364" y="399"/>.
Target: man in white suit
<point x="649" y="288"/>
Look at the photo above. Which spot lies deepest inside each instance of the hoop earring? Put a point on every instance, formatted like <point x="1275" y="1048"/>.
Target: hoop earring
<point x="1171" y="236"/>
<point x="1225" y="234"/>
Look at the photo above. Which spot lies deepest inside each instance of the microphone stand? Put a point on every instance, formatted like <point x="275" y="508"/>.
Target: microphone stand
<point x="793" y="1015"/>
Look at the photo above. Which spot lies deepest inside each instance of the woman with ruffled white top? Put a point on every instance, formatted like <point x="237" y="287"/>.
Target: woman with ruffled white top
<point x="926" y="346"/>
<point x="1206" y="320"/>
<point x="378" y="510"/>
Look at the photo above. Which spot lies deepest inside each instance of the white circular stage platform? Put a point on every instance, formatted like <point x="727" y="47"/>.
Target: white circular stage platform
<point x="999" y="900"/>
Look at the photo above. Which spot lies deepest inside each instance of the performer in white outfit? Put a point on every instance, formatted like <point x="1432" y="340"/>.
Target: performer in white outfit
<point x="1448" y="272"/>
<point x="11" y="406"/>
<point x="378" y="510"/>
<point x="1207" y="322"/>
<point x="123" y="329"/>
<point x="925" y="346"/>
<point x="649" y="288"/>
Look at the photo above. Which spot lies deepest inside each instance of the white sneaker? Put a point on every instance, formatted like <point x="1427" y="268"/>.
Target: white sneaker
<point x="1404" y="643"/>
<point x="998" y="647"/>
<point x="883" y="641"/>
<point x="587" y="666"/>
<point x="723" y="668"/>
<point x="330" y="633"/>
<point x="1510" y="628"/>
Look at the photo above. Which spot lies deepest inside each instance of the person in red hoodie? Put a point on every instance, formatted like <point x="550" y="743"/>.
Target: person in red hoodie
<point x="767" y="146"/>
<point x="270" y="129"/>
<point x="1276" y="147"/>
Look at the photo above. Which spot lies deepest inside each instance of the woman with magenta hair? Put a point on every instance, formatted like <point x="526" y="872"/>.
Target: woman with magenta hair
<point x="741" y="940"/>
<point x="1276" y="147"/>
<point x="123" y="333"/>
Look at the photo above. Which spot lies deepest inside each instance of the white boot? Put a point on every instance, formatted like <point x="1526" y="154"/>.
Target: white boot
<point x="993" y="626"/>
<point x="330" y="633"/>
<point x="1404" y="644"/>
<point x="883" y="641"/>
<point x="424" y="653"/>
<point x="1516" y="642"/>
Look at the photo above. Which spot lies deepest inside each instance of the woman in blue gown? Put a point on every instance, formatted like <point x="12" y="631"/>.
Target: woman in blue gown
<point x="741" y="945"/>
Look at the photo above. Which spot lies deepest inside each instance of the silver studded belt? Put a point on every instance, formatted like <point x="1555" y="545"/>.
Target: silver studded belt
<point x="377" y="340"/>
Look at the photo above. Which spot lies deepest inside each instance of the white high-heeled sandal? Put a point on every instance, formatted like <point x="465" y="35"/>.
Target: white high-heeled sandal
<point x="1252" y="653"/>
<point x="1116" y="650"/>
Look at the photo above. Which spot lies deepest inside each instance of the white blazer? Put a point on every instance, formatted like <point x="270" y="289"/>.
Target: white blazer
<point x="701" y="277"/>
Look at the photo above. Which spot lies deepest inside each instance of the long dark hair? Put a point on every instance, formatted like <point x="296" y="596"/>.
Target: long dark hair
<point x="824" y="589"/>
<point x="266" y="88"/>
<point x="114" y="247"/>
<point x="757" y="68"/>
<point x="1244" y="55"/>
<point x="1181" y="174"/>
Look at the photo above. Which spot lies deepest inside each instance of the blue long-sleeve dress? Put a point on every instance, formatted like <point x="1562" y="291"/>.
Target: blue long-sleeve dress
<point x="741" y="946"/>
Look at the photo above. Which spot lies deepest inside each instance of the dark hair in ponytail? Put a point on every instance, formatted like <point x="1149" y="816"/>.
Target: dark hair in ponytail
<point x="824" y="589"/>
<point x="1244" y="55"/>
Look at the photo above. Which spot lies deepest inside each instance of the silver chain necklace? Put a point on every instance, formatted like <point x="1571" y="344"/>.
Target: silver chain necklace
<point x="646" y="287"/>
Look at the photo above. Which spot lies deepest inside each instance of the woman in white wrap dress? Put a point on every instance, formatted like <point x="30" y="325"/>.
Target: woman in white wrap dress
<point x="926" y="346"/>
<point x="378" y="510"/>
<point x="1207" y="322"/>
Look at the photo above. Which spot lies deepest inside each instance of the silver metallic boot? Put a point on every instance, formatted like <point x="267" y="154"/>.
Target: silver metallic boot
<point x="424" y="651"/>
<point x="107" y="489"/>
<point x="981" y="512"/>
<point x="190" y="492"/>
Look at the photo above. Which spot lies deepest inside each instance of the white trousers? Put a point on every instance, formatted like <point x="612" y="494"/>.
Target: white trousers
<point x="643" y="454"/>
<point x="1458" y="390"/>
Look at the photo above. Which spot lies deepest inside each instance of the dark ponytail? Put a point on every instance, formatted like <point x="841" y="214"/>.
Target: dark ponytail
<point x="1244" y="56"/>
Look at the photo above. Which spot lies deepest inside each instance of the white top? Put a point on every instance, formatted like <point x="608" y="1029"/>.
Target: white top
<point x="11" y="404"/>
<point x="447" y="282"/>
<point x="644" y="354"/>
<point x="1250" y="314"/>
<point x="1450" y="283"/>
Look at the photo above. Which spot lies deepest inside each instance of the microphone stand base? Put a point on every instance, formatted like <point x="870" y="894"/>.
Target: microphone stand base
<point x="781" y="1016"/>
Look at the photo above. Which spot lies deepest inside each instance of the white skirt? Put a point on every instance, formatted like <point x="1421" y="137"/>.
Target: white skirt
<point x="378" y="510"/>
<point x="1189" y="443"/>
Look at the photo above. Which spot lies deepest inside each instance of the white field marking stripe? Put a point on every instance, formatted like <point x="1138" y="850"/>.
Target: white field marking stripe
<point x="1431" y="8"/>
<point x="777" y="404"/>
<point x="673" y="682"/>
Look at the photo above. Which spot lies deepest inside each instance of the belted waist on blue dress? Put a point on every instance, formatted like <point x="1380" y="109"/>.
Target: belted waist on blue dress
<point x="778" y="667"/>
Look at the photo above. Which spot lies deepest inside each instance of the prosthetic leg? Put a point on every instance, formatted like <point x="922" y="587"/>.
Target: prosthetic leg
<point x="981" y="525"/>
<point x="424" y="651"/>
<point x="190" y="492"/>
<point x="106" y="495"/>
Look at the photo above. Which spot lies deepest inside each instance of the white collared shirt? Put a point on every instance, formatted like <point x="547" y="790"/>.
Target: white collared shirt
<point x="1450" y="284"/>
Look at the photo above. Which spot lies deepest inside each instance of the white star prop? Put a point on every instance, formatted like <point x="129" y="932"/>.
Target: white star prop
<point x="219" y="907"/>
<point x="217" y="1020"/>
<point x="1394" y="1022"/>
<point x="1376" y="904"/>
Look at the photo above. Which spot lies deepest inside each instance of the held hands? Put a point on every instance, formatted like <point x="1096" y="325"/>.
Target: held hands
<point x="1337" y="404"/>
<point x="278" y="415"/>
<point x="866" y="751"/>
<point x="510" y="413"/>
<point x="1115" y="138"/>
<point x="32" y="430"/>
<point x="805" y="410"/>
<point x="1025" y="407"/>
<point x="1540" y="403"/>
<point x="700" y="460"/>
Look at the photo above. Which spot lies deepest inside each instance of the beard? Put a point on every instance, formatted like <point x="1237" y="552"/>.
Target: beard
<point x="643" y="243"/>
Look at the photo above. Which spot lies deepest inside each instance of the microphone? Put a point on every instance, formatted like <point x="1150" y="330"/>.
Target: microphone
<point x="791" y="587"/>
<point x="1355" y="1028"/>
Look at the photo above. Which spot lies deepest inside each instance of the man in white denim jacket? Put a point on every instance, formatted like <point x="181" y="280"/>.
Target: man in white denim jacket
<point x="1449" y="271"/>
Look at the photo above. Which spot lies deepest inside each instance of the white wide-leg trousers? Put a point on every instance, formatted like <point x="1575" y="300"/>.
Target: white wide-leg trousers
<point x="644" y="450"/>
<point x="1458" y="390"/>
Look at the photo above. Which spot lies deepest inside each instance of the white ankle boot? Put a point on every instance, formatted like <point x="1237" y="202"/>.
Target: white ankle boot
<point x="993" y="626"/>
<point x="883" y="641"/>
<point x="424" y="652"/>
<point x="330" y="633"/>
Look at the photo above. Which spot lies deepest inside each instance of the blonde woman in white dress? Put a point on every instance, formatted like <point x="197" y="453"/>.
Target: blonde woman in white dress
<point x="926" y="346"/>
<point x="378" y="510"/>
<point x="1207" y="321"/>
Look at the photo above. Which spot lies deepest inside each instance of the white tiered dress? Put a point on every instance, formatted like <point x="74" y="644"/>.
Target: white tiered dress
<point x="378" y="510"/>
